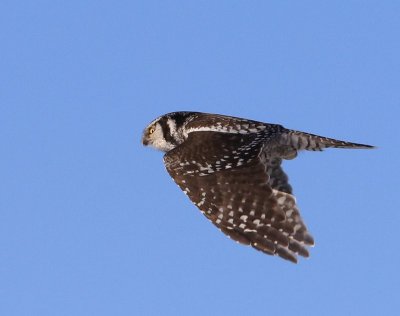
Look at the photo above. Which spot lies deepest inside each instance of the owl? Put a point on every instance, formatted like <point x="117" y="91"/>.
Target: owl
<point x="231" y="169"/>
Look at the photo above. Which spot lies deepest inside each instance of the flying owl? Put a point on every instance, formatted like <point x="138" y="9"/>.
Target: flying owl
<point x="230" y="168"/>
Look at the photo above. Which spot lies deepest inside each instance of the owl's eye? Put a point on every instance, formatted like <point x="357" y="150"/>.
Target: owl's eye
<point x="151" y="130"/>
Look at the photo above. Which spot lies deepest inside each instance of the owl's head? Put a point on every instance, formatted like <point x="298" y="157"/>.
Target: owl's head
<point x="167" y="131"/>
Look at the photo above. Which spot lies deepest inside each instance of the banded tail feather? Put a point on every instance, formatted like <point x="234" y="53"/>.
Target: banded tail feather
<point x="306" y="141"/>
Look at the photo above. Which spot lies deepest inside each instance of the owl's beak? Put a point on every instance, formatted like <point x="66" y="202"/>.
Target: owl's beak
<point x="145" y="142"/>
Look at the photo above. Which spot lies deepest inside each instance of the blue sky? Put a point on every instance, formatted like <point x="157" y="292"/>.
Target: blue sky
<point x="90" y="222"/>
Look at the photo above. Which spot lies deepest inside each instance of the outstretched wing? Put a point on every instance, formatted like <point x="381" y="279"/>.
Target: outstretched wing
<point x="225" y="178"/>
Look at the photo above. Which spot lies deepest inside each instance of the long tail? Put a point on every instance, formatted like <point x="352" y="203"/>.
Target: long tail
<point x="300" y="140"/>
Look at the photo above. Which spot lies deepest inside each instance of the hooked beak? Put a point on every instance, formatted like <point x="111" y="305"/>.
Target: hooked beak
<point x="145" y="142"/>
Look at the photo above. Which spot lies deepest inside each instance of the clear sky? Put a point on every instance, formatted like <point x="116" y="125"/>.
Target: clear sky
<point x="91" y="223"/>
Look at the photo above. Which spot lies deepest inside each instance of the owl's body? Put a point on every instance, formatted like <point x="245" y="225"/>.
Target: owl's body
<point x="231" y="170"/>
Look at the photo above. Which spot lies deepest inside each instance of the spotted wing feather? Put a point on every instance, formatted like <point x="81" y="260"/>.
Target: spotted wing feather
<point x="278" y="178"/>
<point x="224" y="177"/>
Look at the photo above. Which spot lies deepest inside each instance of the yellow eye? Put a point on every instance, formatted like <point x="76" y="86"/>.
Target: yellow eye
<point x="151" y="130"/>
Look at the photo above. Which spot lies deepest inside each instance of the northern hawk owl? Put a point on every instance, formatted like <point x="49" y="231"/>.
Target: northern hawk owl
<point x="230" y="168"/>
